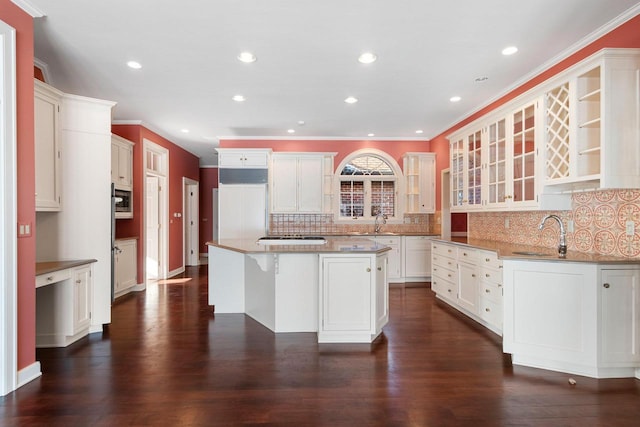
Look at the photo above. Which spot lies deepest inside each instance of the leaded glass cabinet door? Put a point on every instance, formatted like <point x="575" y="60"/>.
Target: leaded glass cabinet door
<point x="474" y="169"/>
<point x="456" y="151"/>
<point x="496" y="163"/>
<point x="524" y="155"/>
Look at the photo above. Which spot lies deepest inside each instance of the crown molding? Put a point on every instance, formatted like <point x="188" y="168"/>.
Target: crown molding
<point x="320" y="138"/>
<point x="29" y="8"/>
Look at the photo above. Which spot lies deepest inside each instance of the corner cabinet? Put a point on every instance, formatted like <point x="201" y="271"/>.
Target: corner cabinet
<point x="592" y="126"/>
<point x="122" y="163"/>
<point x="298" y="182"/>
<point x="47" y="101"/>
<point x="353" y="297"/>
<point x="420" y="180"/>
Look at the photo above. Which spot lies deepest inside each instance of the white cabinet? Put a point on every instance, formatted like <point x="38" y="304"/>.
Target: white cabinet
<point x="469" y="280"/>
<point x="298" y="182"/>
<point x="47" y="103"/>
<point x="591" y="114"/>
<point x="242" y="211"/>
<point x="122" y="163"/>
<point x="394" y="256"/>
<point x="243" y="158"/>
<point x="125" y="266"/>
<point x="416" y="252"/>
<point x="353" y="297"/>
<point x="63" y="305"/>
<point x="420" y="178"/>
<point x="579" y="318"/>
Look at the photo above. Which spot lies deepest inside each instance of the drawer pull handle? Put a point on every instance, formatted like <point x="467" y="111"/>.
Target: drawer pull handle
<point x="606" y="285"/>
<point x="487" y="309"/>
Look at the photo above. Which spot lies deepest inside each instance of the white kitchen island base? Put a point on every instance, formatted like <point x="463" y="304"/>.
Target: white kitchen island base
<point x="338" y="290"/>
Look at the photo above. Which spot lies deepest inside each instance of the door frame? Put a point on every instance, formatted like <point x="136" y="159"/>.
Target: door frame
<point x="8" y="196"/>
<point x="188" y="185"/>
<point x="159" y="168"/>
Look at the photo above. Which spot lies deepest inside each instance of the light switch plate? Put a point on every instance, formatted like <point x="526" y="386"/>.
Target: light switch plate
<point x="630" y="228"/>
<point x="570" y="226"/>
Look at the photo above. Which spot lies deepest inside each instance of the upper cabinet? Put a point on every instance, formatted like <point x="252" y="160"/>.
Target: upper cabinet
<point x="579" y="130"/>
<point x="299" y="182"/>
<point x="47" y="147"/>
<point x="122" y="163"/>
<point x="592" y="124"/>
<point x="243" y="158"/>
<point x="420" y="178"/>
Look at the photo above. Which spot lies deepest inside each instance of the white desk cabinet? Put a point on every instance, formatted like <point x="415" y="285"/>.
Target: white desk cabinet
<point x="126" y="266"/>
<point x="122" y="163"/>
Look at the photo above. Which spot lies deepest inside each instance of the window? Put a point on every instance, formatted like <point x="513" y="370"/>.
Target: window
<point x="367" y="186"/>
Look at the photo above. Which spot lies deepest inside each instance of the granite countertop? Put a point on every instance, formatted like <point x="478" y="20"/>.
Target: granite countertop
<point x="333" y="245"/>
<point x="506" y="252"/>
<point x="46" y="267"/>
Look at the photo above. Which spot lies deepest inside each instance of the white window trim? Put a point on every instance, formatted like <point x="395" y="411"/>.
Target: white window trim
<point x="399" y="187"/>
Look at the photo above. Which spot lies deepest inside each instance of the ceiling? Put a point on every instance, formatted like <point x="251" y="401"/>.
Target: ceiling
<point x="307" y="61"/>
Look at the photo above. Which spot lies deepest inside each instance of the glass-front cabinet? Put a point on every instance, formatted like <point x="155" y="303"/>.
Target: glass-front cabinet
<point x="523" y="176"/>
<point x="456" y="168"/>
<point x="497" y="163"/>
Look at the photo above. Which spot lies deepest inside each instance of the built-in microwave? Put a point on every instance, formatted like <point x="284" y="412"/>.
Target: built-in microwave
<point x="123" y="203"/>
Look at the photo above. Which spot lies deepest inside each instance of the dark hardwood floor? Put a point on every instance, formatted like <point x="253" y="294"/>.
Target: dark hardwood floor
<point x="166" y="360"/>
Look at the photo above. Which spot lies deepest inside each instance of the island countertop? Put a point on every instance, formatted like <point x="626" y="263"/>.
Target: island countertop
<point x="509" y="251"/>
<point x="333" y="245"/>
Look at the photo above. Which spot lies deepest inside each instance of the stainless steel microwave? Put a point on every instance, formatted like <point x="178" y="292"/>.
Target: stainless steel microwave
<point x="123" y="203"/>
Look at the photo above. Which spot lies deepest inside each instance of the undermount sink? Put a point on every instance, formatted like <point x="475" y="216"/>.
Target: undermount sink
<point x="372" y="233"/>
<point x="532" y="253"/>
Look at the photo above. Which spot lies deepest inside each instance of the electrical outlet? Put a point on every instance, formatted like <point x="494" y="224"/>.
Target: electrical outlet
<point x="506" y="223"/>
<point x="570" y="226"/>
<point x="630" y="228"/>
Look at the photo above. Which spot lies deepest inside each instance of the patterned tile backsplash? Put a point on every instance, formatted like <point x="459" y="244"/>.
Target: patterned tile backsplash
<point x="323" y="224"/>
<point x="599" y="217"/>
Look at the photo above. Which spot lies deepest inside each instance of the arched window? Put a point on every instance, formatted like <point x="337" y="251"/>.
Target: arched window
<point x="367" y="185"/>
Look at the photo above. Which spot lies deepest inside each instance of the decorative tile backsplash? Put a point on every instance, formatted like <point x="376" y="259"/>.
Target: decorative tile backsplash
<point x="600" y="219"/>
<point x="323" y="224"/>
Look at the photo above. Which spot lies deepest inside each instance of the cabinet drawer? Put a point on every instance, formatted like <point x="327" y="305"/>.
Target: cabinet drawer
<point x="444" y="287"/>
<point x="491" y="291"/>
<point x="53" y="277"/>
<point x="443" y="261"/>
<point x="444" y="273"/>
<point x="468" y="255"/>
<point x="489" y="259"/>
<point x="444" y="249"/>
<point x="386" y="240"/>
<point x="491" y="312"/>
<point x="490" y="275"/>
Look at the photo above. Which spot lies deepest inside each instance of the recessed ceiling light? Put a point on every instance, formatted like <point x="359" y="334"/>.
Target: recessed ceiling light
<point x="509" y="50"/>
<point x="134" y="64"/>
<point x="351" y="100"/>
<point x="291" y="130"/>
<point x="184" y="130"/>
<point x="300" y="122"/>
<point x="419" y="131"/>
<point x="247" y="57"/>
<point x="455" y="99"/>
<point x="238" y="98"/>
<point x="371" y="134"/>
<point x="367" y="58"/>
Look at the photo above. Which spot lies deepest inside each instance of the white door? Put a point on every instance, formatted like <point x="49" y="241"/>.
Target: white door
<point x="152" y="208"/>
<point x="191" y="219"/>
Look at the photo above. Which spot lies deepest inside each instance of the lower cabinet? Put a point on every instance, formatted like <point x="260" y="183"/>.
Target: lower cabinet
<point x="417" y="258"/>
<point x="469" y="280"/>
<point x="125" y="266"/>
<point x="394" y="256"/>
<point x="353" y="297"/>
<point x="63" y="306"/>
<point x="586" y="317"/>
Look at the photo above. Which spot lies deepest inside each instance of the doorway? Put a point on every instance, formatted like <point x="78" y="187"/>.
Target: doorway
<point x="191" y="231"/>
<point x="445" y="220"/>
<point x="156" y="212"/>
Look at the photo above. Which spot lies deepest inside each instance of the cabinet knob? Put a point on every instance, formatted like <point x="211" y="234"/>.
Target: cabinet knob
<point x="606" y="285"/>
<point x="487" y="275"/>
<point x="379" y="268"/>
<point x="78" y="281"/>
<point x="487" y="309"/>
<point x="464" y="254"/>
<point x="449" y="250"/>
<point x="368" y="270"/>
<point x="449" y="275"/>
<point x="473" y="275"/>
<point x="50" y="278"/>
<point x="449" y="290"/>
<point x="487" y="291"/>
<point x="487" y="259"/>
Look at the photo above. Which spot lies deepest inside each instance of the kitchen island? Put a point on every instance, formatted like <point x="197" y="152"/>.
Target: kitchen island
<point x="338" y="289"/>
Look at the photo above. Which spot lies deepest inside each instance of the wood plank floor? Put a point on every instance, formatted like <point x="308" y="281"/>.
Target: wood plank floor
<point x="167" y="361"/>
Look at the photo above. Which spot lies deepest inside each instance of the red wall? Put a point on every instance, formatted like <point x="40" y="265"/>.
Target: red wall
<point x="208" y="181"/>
<point x="626" y="35"/>
<point x="26" y="246"/>
<point x="181" y="164"/>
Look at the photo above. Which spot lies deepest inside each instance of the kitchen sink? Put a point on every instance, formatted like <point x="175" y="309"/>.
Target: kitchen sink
<point x="532" y="253"/>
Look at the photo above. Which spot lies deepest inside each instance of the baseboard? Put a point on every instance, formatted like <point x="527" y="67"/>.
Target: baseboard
<point x="28" y="374"/>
